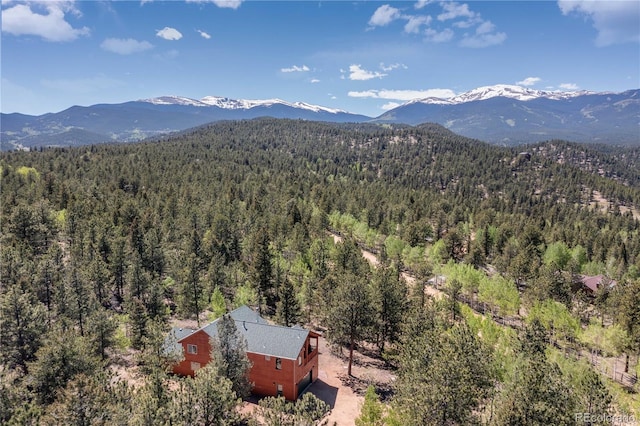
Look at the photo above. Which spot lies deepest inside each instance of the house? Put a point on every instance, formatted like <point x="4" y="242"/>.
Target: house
<point x="284" y="359"/>
<point x="591" y="284"/>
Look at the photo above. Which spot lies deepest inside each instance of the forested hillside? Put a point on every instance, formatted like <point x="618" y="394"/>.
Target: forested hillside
<point x="103" y="247"/>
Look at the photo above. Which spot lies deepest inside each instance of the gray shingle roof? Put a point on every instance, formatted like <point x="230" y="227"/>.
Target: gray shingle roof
<point x="262" y="337"/>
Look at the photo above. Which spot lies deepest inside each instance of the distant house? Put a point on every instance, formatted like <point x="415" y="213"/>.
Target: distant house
<point x="285" y="359"/>
<point x="591" y="283"/>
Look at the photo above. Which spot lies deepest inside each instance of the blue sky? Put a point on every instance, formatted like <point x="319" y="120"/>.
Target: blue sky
<point x="360" y="56"/>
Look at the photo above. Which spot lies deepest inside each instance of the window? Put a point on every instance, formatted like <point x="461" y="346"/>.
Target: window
<point x="279" y="388"/>
<point x="267" y="358"/>
<point x="192" y="349"/>
<point x="195" y="366"/>
<point x="278" y="364"/>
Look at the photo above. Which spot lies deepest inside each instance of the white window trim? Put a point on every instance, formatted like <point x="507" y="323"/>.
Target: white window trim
<point x="192" y="349"/>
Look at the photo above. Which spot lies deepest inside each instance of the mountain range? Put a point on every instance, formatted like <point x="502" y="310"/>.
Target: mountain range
<point x="501" y="114"/>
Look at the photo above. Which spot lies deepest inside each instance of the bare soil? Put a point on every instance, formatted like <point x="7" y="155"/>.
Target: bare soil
<point x="343" y="393"/>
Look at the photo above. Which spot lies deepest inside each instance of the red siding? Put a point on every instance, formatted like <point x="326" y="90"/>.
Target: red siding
<point x="266" y="377"/>
<point x="202" y="341"/>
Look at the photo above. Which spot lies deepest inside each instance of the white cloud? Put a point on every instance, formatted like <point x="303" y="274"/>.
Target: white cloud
<point x="169" y="33"/>
<point x="203" y="34"/>
<point x="403" y="95"/>
<point x="228" y="4"/>
<point x="295" y="68"/>
<point x="422" y="3"/>
<point x="529" y="81"/>
<point x="615" y="21"/>
<point x="415" y="22"/>
<point x="438" y="36"/>
<point x="384" y="15"/>
<point x="356" y="72"/>
<point x="483" y="40"/>
<point x="315" y="80"/>
<point x="390" y="105"/>
<point x="82" y="85"/>
<point x="364" y="94"/>
<point x="453" y="10"/>
<point x="569" y="86"/>
<point x="392" y="67"/>
<point x="483" y="37"/>
<point x="485" y="28"/>
<point x="125" y="46"/>
<point x="52" y="26"/>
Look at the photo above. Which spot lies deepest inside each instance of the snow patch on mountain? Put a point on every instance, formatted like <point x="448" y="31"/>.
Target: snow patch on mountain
<point x="234" y="104"/>
<point x="174" y="100"/>
<point x="502" y="90"/>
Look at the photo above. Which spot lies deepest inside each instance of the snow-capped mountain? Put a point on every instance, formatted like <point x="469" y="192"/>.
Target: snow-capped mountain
<point x="518" y="93"/>
<point x="137" y="120"/>
<point x="499" y="114"/>
<point x="513" y="115"/>
<point x="235" y="104"/>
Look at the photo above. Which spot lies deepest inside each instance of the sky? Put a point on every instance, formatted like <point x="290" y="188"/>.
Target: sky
<point x="360" y="56"/>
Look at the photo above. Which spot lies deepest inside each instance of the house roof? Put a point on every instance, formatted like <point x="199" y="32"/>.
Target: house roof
<point x="262" y="337"/>
<point x="593" y="282"/>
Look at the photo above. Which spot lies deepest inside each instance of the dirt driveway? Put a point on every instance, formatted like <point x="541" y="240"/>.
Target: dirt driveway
<point x="343" y="393"/>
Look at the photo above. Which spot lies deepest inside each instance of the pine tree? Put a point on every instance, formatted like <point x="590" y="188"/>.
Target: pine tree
<point x="287" y="308"/>
<point x="61" y="358"/>
<point x="214" y="397"/>
<point x="22" y="326"/>
<point x="89" y="401"/>
<point x="262" y="270"/>
<point x="139" y="320"/>
<point x="371" y="413"/>
<point x="627" y="297"/>
<point x="536" y="393"/>
<point x="390" y="299"/>
<point x="445" y="373"/>
<point x="192" y="289"/>
<point x="350" y="314"/>
<point x="229" y="354"/>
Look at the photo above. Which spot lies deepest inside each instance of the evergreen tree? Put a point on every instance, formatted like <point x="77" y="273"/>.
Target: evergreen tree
<point x="206" y="400"/>
<point x="536" y="393"/>
<point x="445" y="374"/>
<point x="229" y="355"/>
<point x="627" y="299"/>
<point x="350" y="314"/>
<point x="287" y="308"/>
<point x="371" y="413"/>
<point x="262" y="271"/>
<point x="139" y="320"/>
<point x="390" y="299"/>
<point x="61" y="358"/>
<point x="22" y="326"/>
<point x="89" y="401"/>
<point x="306" y="411"/>
<point x="192" y="289"/>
